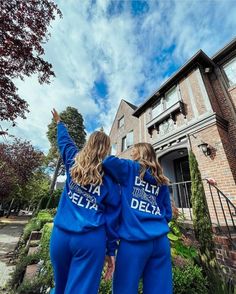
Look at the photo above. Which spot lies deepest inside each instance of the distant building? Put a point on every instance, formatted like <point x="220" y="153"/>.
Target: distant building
<point x="59" y="185"/>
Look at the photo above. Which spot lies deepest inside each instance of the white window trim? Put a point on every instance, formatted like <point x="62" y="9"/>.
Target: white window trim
<point x="122" y="117"/>
<point x="169" y="91"/>
<point x="160" y="105"/>
<point x="125" y="147"/>
<point x="224" y="72"/>
<point x="128" y="138"/>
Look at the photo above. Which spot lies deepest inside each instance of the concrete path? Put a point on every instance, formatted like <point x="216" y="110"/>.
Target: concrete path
<point x="10" y="231"/>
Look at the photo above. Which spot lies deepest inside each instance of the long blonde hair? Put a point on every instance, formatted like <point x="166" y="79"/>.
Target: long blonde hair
<point x="87" y="168"/>
<point x="146" y="156"/>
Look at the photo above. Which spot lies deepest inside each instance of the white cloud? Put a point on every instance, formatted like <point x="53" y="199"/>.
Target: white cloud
<point x="133" y="54"/>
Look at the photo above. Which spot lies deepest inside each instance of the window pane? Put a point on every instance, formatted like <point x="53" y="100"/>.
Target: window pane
<point x="157" y="109"/>
<point x="130" y="139"/>
<point x="121" y="122"/>
<point x="230" y="71"/>
<point x="171" y="98"/>
<point x="113" y="149"/>
<point x="123" y="145"/>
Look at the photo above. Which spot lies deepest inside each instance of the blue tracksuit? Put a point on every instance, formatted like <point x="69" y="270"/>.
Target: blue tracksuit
<point x="85" y="227"/>
<point x="144" y="250"/>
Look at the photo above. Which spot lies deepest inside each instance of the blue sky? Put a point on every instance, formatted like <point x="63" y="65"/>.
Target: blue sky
<point x="104" y="51"/>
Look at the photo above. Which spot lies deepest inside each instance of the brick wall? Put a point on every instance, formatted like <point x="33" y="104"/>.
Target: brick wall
<point x="216" y="166"/>
<point x="130" y="123"/>
<point x="223" y="97"/>
<point x="226" y="254"/>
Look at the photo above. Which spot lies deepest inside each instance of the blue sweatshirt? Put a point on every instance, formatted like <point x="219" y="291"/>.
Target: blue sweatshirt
<point x="84" y="208"/>
<point x="146" y="206"/>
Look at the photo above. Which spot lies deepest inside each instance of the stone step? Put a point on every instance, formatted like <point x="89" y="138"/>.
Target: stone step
<point x="31" y="272"/>
<point x="33" y="250"/>
<point x="35" y="235"/>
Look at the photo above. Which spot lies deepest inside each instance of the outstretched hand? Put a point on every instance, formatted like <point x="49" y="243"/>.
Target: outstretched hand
<point x="110" y="261"/>
<point x="56" y="116"/>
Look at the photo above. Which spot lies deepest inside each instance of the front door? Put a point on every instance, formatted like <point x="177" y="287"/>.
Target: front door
<point x="183" y="178"/>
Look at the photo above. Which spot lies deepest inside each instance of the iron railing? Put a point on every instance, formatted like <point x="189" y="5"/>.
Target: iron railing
<point x="181" y="196"/>
<point x="227" y="210"/>
<point x="224" y="218"/>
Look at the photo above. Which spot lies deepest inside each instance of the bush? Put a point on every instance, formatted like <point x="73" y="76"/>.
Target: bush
<point x="36" y="224"/>
<point x="189" y="280"/>
<point x="178" y="246"/>
<point x="33" y="225"/>
<point x="105" y="287"/>
<point x="30" y="287"/>
<point x="46" y="273"/>
<point x="18" y="274"/>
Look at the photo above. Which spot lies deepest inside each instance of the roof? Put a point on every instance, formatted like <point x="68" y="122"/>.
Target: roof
<point x="219" y="55"/>
<point x="130" y="104"/>
<point x="199" y="58"/>
<point x="121" y="101"/>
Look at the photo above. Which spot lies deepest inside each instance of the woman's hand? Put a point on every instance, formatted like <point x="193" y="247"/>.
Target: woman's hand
<point x="56" y="116"/>
<point x="211" y="181"/>
<point x="110" y="261"/>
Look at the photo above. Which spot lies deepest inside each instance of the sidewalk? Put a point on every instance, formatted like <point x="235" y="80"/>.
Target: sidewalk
<point x="10" y="231"/>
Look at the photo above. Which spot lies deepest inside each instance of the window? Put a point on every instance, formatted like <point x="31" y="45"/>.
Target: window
<point x="113" y="149"/>
<point x="230" y="71"/>
<point x="121" y="122"/>
<point x="157" y="109"/>
<point x="130" y="139"/>
<point x="171" y="98"/>
<point x="163" y="104"/>
<point x="124" y="144"/>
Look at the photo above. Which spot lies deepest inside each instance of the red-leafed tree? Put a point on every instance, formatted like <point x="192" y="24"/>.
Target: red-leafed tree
<point x="18" y="163"/>
<point x="23" y="30"/>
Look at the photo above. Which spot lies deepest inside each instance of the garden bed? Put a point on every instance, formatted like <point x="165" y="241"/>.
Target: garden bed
<point x="34" y="272"/>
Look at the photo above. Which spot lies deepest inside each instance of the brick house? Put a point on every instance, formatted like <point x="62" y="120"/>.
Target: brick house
<point x="125" y="129"/>
<point x="194" y="109"/>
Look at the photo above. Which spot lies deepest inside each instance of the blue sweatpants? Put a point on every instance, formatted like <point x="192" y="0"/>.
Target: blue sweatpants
<point x="149" y="260"/>
<point x="77" y="260"/>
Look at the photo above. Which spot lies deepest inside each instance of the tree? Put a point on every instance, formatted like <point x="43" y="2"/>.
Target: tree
<point x="203" y="228"/>
<point x="18" y="163"/>
<point x="37" y="188"/>
<point x="201" y="217"/>
<point x="75" y="124"/>
<point x="23" y="27"/>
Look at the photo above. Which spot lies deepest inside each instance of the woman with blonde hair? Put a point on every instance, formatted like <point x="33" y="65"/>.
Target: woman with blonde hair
<point x="144" y="249"/>
<point x="87" y="216"/>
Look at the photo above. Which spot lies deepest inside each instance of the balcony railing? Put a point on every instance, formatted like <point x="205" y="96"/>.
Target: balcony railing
<point x="169" y="113"/>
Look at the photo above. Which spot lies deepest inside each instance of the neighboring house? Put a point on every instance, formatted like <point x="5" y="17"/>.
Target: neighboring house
<point x="59" y="185"/>
<point x="196" y="109"/>
<point x="125" y="130"/>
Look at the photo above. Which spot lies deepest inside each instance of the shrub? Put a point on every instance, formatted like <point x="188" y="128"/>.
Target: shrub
<point x="33" y="225"/>
<point x="178" y="248"/>
<point x="18" y="274"/>
<point x="189" y="280"/>
<point x="46" y="273"/>
<point x="30" y="287"/>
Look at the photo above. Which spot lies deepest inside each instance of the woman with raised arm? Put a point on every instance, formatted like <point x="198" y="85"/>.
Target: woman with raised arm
<point x="87" y="216"/>
<point x="144" y="249"/>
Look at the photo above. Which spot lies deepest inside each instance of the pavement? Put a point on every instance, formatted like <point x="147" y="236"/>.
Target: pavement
<point x="10" y="231"/>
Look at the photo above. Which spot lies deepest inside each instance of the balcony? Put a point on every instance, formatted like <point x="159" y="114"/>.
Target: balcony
<point x="169" y="113"/>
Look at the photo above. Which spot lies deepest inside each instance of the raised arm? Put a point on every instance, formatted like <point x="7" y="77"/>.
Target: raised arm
<point x="66" y="145"/>
<point x="117" y="168"/>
